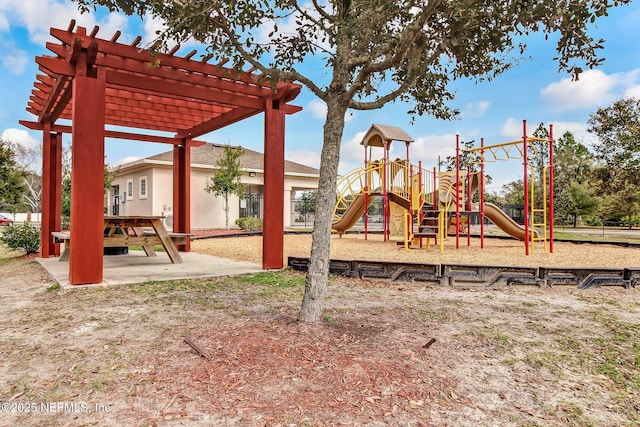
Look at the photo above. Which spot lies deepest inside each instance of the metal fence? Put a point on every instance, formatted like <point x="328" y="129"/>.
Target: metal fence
<point x="302" y="213"/>
<point x="252" y="205"/>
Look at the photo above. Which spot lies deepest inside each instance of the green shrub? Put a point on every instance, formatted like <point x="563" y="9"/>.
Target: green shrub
<point x="25" y="237"/>
<point x="249" y="223"/>
<point x="592" y="221"/>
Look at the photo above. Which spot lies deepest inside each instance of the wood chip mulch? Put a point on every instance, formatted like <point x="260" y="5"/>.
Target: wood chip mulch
<point x="280" y="371"/>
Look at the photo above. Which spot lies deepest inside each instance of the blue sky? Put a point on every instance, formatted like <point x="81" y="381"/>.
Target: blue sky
<point x="533" y="90"/>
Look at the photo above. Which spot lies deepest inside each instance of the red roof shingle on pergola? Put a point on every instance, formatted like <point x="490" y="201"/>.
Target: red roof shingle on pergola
<point x="95" y="82"/>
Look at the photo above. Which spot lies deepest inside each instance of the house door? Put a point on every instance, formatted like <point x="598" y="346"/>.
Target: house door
<point x="115" y="190"/>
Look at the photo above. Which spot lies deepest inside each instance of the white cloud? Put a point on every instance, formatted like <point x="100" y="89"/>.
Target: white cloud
<point x="318" y="110"/>
<point x="476" y="109"/>
<point x="151" y="27"/>
<point x="579" y="131"/>
<point x="512" y="129"/>
<point x="304" y="157"/>
<point x="15" y="61"/>
<point x="4" y="22"/>
<point x="38" y="16"/>
<point x="20" y="136"/>
<point x="124" y="160"/>
<point x="594" y="89"/>
<point x="633" y="91"/>
<point x="351" y="154"/>
<point x="430" y="148"/>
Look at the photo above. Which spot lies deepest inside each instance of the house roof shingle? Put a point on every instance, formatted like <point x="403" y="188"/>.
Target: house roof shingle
<point x="209" y="154"/>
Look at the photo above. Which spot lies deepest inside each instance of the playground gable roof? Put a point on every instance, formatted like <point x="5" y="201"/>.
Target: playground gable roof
<point x="378" y="135"/>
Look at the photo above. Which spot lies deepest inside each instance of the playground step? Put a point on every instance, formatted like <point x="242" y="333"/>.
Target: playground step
<point x="426" y="234"/>
<point x="428" y="227"/>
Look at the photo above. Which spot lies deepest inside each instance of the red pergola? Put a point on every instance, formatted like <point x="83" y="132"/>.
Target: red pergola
<point x="95" y="82"/>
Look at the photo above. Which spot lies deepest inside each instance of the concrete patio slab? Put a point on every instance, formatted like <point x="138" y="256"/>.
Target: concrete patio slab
<point x="136" y="267"/>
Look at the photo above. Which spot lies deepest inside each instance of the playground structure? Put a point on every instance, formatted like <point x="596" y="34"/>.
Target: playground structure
<point x="423" y="206"/>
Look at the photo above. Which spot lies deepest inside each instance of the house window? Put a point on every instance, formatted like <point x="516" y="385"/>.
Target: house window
<point x="143" y="187"/>
<point x="129" y="189"/>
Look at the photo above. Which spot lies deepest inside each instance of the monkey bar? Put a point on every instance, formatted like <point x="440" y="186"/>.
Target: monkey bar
<point x="91" y="83"/>
<point x="525" y="150"/>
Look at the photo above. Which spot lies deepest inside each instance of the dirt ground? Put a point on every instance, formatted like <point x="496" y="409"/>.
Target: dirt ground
<point x="400" y="355"/>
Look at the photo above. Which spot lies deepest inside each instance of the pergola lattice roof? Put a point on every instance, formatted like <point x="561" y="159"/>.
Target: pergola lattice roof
<point x="95" y="83"/>
<point x="164" y="93"/>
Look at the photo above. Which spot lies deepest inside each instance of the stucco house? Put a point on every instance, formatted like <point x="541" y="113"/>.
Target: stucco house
<point x="145" y="187"/>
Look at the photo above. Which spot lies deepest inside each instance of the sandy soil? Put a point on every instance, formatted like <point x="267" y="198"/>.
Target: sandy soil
<point x="495" y="251"/>
<point x="407" y="355"/>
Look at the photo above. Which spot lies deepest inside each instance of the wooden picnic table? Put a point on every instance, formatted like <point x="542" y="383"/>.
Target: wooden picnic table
<point x="130" y="231"/>
<point x="121" y="231"/>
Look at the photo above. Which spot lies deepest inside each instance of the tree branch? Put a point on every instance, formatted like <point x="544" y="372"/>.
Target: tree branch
<point x="267" y="71"/>
<point x="381" y="101"/>
<point x="322" y="12"/>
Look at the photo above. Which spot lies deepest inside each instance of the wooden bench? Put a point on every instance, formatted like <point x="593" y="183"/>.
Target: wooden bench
<point x="177" y="238"/>
<point x="63" y="237"/>
<point x="147" y="241"/>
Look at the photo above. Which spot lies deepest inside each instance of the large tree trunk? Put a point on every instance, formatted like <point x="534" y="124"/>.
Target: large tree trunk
<point x="317" y="274"/>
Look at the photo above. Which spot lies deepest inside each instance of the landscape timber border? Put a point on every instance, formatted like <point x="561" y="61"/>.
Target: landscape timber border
<point x="480" y="276"/>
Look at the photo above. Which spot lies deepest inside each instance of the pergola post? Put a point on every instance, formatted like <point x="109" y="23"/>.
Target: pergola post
<point x="182" y="191"/>
<point x="51" y="190"/>
<point x="273" y="225"/>
<point x="87" y="177"/>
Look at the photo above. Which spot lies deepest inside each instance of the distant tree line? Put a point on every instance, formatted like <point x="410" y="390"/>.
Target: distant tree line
<point x="19" y="187"/>
<point x="593" y="185"/>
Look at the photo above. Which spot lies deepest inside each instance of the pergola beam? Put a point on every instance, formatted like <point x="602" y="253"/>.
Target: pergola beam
<point x="219" y="122"/>
<point x="59" y="86"/>
<point x="118" y="50"/>
<point x="115" y="134"/>
<point x="181" y="89"/>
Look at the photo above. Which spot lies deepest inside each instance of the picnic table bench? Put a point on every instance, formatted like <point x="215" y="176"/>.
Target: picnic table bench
<point x="132" y="231"/>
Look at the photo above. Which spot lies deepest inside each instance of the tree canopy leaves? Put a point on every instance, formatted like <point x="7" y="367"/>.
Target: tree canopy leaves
<point x="12" y="178"/>
<point x="618" y="153"/>
<point x="226" y="179"/>
<point x="378" y="50"/>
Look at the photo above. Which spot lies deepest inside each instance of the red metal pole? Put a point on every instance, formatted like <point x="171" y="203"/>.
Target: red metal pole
<point x="408" y="173"/>
<point x="385" y="198"/>
<point x="468" y="207"/>
<point x="551" y="189"/>
<point x="366" y="196"/>
<point x="436" y="198"/>
<point x="421" y="201"/>
<point x="273" y="226"/>
<point x="481" y="207"/>
<point x="526" y="188"/>
<point x="410" y="184"/>
<point x="457" y="191"/>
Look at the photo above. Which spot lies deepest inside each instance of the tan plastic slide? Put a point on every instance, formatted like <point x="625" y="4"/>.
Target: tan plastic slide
<point x="351" y="215"/>
<point x="505" y="222"/>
